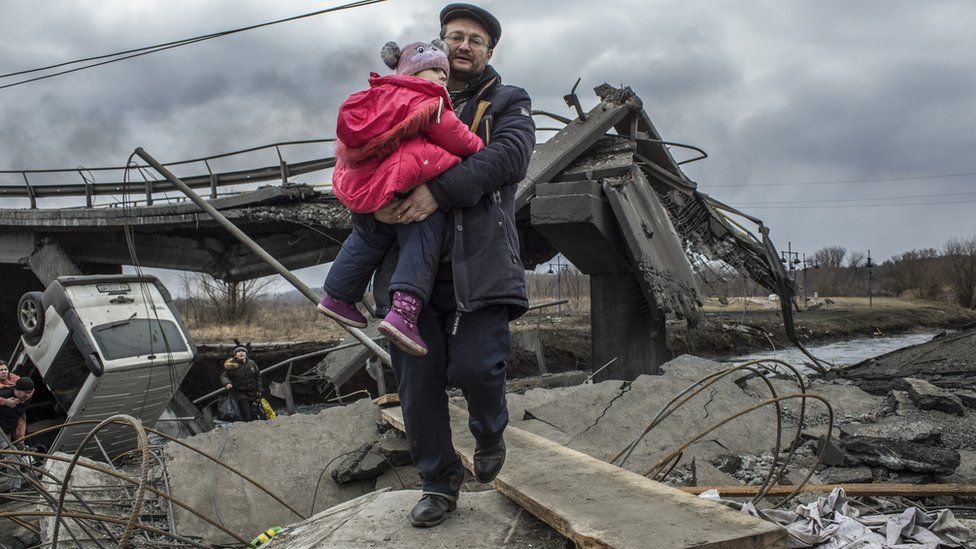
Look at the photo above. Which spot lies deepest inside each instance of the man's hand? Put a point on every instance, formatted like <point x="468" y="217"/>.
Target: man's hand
<point x="387" y="214"/>
<point x="415" y="207"/>
<point x="11" y="402"/>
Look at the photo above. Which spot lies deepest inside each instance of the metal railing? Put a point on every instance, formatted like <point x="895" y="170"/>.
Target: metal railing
<point x="147" y="188"/>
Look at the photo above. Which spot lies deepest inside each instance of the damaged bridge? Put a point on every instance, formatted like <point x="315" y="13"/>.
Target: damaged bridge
<point x="605" y="191"/>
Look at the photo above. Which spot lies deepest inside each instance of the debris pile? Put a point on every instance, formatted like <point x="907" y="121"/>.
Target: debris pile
<point x="288" y="455"/>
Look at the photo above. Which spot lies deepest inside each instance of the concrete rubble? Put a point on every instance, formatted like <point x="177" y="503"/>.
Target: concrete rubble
<point x="876" y="438"/>
<point x="288" y="455"/>
<point x="929" y="397"/>
<point x="484" y="520"/>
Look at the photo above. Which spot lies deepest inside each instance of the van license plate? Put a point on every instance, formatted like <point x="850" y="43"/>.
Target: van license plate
<point x="112" y="288"/>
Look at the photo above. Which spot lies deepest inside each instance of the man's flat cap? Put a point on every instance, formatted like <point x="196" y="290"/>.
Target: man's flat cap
<point x="487" y="20"/>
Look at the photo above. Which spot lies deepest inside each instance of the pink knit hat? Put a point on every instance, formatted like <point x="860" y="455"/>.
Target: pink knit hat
<point x="416" y="57"/>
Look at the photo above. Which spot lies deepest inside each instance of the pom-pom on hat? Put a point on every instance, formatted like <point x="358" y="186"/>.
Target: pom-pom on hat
<point x="416" y="57"/>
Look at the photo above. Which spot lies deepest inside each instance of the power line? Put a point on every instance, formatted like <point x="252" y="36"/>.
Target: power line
<point x="862" y="205"/>
<point x="844" y="200"/>
<point x="146" y="50"/>
<point x="844" y="182"/>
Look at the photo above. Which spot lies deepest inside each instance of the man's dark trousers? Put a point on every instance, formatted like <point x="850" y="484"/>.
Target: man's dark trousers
<point x="473" y="360"/>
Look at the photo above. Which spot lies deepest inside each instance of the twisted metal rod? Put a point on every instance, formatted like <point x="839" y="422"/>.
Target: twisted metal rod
<point x="707" y="381"/>
<point x="779" y="431"/>
<point x="106" y="518"/>
<point x="131" y="480"/>
<point x="143" y="443"/>
<point x="750" y="409"/>
<point x="227" y="466"/>
<point x="50" y="499"/>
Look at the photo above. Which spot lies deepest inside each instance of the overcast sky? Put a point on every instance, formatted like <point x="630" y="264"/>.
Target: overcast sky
<point x="776" y="92"/>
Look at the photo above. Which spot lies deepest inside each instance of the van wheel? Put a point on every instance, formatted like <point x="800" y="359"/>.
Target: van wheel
<point x="30" y="314"/>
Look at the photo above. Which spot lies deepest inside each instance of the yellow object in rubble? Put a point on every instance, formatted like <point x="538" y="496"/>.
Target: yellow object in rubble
<point x="269" y="412"/>
<point x="265" y="536"/>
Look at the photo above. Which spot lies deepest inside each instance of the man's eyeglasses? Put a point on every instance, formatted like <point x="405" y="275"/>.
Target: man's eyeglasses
<point x="474" y="40"/>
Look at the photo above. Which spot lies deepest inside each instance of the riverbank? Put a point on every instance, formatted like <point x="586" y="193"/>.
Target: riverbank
<point x="755" y="326"/>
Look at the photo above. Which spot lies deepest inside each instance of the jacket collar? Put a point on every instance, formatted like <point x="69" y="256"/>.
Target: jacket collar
<point x="478" y="86"/>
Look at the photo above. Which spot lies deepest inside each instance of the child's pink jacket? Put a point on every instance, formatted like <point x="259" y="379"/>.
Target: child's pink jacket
<point x="397" y="134"/>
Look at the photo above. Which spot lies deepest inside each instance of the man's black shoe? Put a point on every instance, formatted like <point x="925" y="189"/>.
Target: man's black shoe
<point x="431" y="510"/>
<point x="488" y="461"/>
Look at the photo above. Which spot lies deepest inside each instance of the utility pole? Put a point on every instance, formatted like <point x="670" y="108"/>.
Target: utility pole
<point x="559" y="286"/>
<point x="807" y="265"/>
<point x="804" y="280"/>
<point x="870" y="266"/>
<point x="791" y="259"/>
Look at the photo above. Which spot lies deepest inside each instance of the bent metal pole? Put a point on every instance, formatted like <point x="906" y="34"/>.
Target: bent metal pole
<point x="258" y="250"/>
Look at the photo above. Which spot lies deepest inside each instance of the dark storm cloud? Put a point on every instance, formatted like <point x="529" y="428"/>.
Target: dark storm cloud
<point x="775" y="91"/>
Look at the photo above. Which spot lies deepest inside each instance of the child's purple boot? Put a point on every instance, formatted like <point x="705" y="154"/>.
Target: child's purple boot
<point x="400" y="324"/>
<point x="342" y="312"/>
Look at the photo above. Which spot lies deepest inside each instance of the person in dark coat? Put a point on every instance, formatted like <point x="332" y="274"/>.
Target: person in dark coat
<point x="480" y="284"/>
<point x="13" y="408"/>
<point x="13" y="421"/>
<point x="242" y="378"/>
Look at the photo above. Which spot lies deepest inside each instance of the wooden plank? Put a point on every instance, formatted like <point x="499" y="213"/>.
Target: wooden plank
<point x="596" y="504"/>
<point x="867" y="490"/>
<point x="388" y="399"/>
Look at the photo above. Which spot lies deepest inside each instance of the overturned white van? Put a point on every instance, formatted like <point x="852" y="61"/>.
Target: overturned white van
<point x="96" y="346"/>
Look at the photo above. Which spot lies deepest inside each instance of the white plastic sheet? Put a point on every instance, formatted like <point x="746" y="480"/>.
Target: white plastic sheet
<point x="830" y="523"/>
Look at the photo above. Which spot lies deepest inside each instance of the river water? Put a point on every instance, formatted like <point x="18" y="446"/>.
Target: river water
<point x="841" y="353"/>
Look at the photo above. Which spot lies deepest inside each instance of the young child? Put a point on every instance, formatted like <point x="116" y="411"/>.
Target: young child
<point x="392" y="137"/>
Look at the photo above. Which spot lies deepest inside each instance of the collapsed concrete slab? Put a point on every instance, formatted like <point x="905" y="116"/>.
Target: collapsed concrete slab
<point x="901" y="455"/>
<point x="929" y="397"/>
<point x="287" y="455"/>
<point x="947" y="362"/>
<point x="600" y="419"/>
<point x="483" y="520"/>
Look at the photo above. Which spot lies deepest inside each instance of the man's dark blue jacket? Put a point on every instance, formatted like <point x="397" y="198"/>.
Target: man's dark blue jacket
<point x="479" y="196"/>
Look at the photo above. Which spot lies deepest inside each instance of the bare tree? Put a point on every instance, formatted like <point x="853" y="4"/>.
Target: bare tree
<point x="830" y="277"/>
<point x="856" y="259"/>
<point x="959" y="261"/>
<point x="915" y="271"/>
<point x="831" y="257"/>
<point x="224" y="301"/>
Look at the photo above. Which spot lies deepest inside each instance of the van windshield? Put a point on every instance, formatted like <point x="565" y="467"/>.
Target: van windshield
<point x="138" y="337"/>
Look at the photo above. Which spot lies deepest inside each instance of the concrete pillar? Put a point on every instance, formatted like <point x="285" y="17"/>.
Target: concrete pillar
<point x="50" y="261"/>
<point x="625" y="328"/>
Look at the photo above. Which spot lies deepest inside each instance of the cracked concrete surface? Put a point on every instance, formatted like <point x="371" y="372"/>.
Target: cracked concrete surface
<point x="624" y="388"/>
<point x="482" y="520"/>
<point x="602" y="418"/>
<point x="287" y="455"/>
